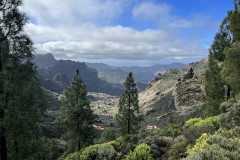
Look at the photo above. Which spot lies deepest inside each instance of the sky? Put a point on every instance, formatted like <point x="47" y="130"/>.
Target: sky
<point x="125" y="32"/>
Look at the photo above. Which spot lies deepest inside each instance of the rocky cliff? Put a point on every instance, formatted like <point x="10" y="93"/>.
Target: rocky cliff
<point x="68" y="68"/>
<point x="176" y="93"/>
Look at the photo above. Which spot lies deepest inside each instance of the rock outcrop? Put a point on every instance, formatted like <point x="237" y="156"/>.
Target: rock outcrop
<point x="177" y="93"/>
<point x="188" y="91"/>
<point x="188" y="74"/>
<point x="44" y="60"/>
<point x="156" y="79"/>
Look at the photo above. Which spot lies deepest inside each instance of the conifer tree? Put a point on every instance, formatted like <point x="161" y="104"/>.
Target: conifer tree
<point x="20" y="93"/>
<point x="231" y="66"/>
<point x="128" y="117"/>
<point x="217" y="87"/>
<point x="214" y="87"/>
<point x="78" y="118"/>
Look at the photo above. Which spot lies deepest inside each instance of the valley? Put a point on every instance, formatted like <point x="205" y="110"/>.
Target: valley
<point x="175" y="93"/>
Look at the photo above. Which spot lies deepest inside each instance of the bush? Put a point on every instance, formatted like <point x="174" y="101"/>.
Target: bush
<point x="141" y="152"/>
<point x="222" y="145"/>
<point x="191" y="122"/>
<point x="116" y="145"/>
<point x="177" y="151"/>
<point x="106" y="152"/>
<point x="95" y="152"/>
<point x="143" y="146"/>
<point x="159" y="145"/>
<point x="218" y="147"/>
<point x="73" y="156"/>
<point x="195" y="127"/>
<point x="90" y="152"/>
<point x="171" y="129"/>
<point x="107" y="135"/>
<point x="230" y="116"/>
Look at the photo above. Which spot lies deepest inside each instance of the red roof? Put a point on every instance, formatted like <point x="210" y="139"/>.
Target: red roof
<point x="150" y="127"/>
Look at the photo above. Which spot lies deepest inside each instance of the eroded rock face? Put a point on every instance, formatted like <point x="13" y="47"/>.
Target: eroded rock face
<point x="189" y="90"/>
<point x="187" y="75"/>
<point x="157" y="78"/>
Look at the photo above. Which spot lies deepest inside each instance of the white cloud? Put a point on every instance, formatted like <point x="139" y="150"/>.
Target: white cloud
<point x="149" y="10"/>
<point x="80" y="29"/>
<point x="61" y="12"/>
<point x="112" y="43"/>
<point x="161" y="14"/>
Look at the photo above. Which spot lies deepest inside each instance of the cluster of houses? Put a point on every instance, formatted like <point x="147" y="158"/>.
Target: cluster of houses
<point x="151" y="127"/>
<point x="100" y="128"/>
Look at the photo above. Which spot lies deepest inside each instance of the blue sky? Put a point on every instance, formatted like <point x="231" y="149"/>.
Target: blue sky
<point x="125" y="32"/>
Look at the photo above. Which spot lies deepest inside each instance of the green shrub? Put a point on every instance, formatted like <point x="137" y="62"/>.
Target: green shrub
<point x="73" y="156"/>
<point x="195" y="127"/>
<point x="230" y="116"/>
<point x="191" y="122"/>
<point x="116" y="145"/>
<point x="180" y="138"/>
<point x="90" y="152"/>
<point x="222" y="145"/>
<point x="141" y="152"/>
<point x="159" y="144"/>
<point x="177" y="151"/>
<point x="107" y="135"/>
<point x="219" y="148"/>
<point x="106" y="152"/>
<point x="143" y="146"/>
<point x="171" y="129"/>
<point x="95" y="152"/>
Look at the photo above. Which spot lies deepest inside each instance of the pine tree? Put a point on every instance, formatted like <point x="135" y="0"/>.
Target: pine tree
<point x="214" y="87"/>
<point x="78" y="118"/>
<point x="231" y="66"/>
<point x="128" y="117"/>
<point x="234" y="19"/>
<point x="21" y="105"/>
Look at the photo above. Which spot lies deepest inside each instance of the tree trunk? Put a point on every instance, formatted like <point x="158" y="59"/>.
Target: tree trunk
<point x="3" y="144"/>
<point x="228" y="91"/>
<point x="16" y="146"/>
<point x="79" y="145"/>
<point x="129" y="105"/>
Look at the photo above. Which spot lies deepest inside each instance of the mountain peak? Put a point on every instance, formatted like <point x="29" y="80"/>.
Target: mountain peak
<point x="44" y="60"/>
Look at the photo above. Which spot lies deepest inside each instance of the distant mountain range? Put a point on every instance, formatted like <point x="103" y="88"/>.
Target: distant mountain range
<point x="55" y="74"/>
<point x="140" y="74"/>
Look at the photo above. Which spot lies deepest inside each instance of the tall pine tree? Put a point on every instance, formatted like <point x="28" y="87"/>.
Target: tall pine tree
<point x="77" y="117"/>
<point x="20" y="93"/>
<point x="128" y="117"/>
<point x="231" y="69"/>
<point x="222" y="76"/>
<point x="231" y="66"/>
